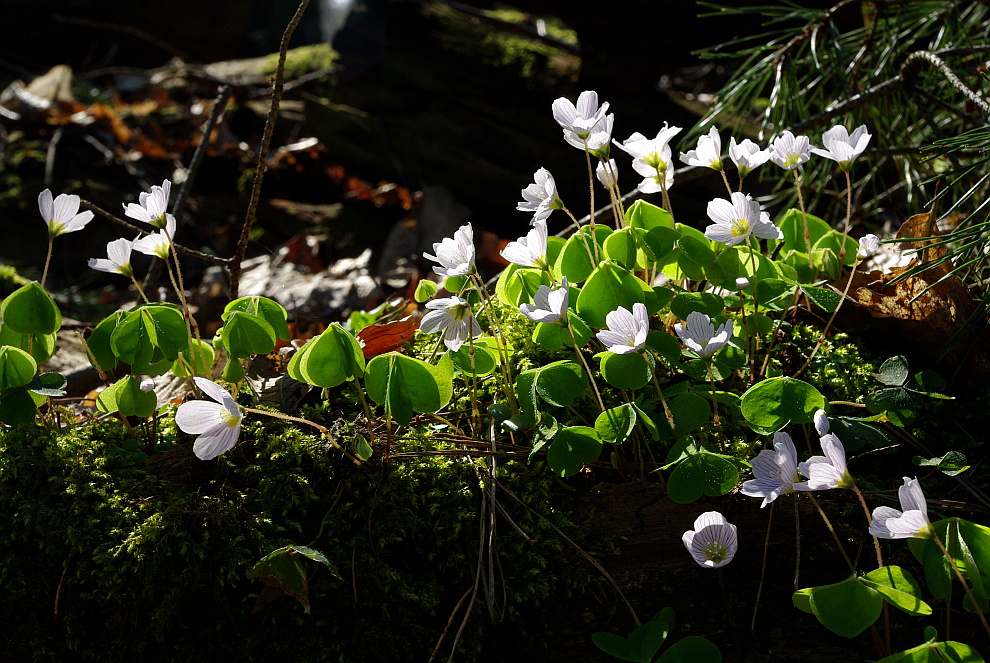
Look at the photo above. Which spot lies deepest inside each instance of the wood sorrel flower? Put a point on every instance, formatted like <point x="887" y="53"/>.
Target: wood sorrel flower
<point x="651" y="158"/>
<point x="598" y="141"/>
<point x="607" y="175"/>
<point x="118" y="260"/>
<point x="218" y="424"/>
<point x="157" y="244"/>
<point x="828" y="471"/>
<point x="626" y="331"/>
<point x="868" y="245"/>
<point x="708" y="153"/>
<point x="774" y="472"/>
<point x="152" y="207"/>
<point x="747" y="156"/>
<point x="713" y="541"/>
<point x="841" y="146"/>
<point x="789" y="151"/>
<point x="531" y="250"/>
<point x="548" y="306"/>
<point x="910" y="522"/>
<point x="699" y="334"/>
<point x="454" y="316"/>
<point x="456" y="256"/>
<point x="737" y="219"/>
<point x="62" y="214"/>
<point x="540" y="197"/>
<point x="581" y="119"/>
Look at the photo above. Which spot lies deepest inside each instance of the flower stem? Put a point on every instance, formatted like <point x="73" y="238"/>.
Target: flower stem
<point x="140" y="291"/>
<point x="869" y="519"/>
<point x="322" y="429"/>
<point x="592" y="256"/>
<point x="838" y="542"/>
<point x="807" y="231"/>
<point x="666" y="408"/>
<point x="591" y="190"/>
<point x="584" y="362"/>
<point x="725" y="179"/>
<point x="845" y="230"/>
<point x="48" y="259"/>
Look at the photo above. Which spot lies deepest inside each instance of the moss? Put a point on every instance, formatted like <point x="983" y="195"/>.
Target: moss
<point x="150" y="559"/>
<point x="302" y="60"/>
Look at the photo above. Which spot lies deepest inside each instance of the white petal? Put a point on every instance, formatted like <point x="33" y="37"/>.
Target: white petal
<point x="197" y="417"/>
<point x="45" y="205"/>
<point x="214" y="442"/>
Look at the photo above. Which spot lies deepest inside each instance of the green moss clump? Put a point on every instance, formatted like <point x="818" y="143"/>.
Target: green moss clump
<point x="302" y="60"/>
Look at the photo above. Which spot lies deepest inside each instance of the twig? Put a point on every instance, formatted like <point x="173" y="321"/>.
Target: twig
<point x="219" y="105"/>
<point x="234" y="266"/>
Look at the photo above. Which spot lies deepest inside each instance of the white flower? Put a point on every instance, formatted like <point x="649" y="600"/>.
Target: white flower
<point x="454" y="316"/>
<point x="742" y="283"/>
<point x="598" y="141"/>
<point x="651" y="158"/>
<point x="62" y="214"/>
<point x="708" y="154"/>
<point x="699" y="334"/>
<point x="648" y="149"/>
<point x="774" y="472"/>
<point x="841" y="147"/>
<point x="821" y="422"/>
<point x="607" y="175"/>
<point x="118" y="259"/>
<point x="736" y="220"/>
<point x="531" y="250"/>
<point x="217" y="424"/>
<point x="147" y="385"/>
<point x="788" y="151"/>
<point x="713" y="541"/>
<point x="456" y="256"/>
<point x="153" y="207"/>
<point x="868" y="245"/>
<point x="911" y="522"/>
<point x="747" y="156"/>
<point x="549" y="306"/>
<point x="626" y="331"/>
<point x="540" y="197"/>
<point x="581" y="119"/>
<point x="157" y="244"/>
<point x="828" y="471"/>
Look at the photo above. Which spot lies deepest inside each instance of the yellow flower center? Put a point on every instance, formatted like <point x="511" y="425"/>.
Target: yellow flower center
<point x="231" y="419"/>
<point x="739" y="228"/>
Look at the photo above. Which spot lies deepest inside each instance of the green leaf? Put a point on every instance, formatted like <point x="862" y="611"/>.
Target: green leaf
<point x="16" y="407"/>
<point x="554" y="337"/>
<point x="628" y="371"/>
<point x="99" y="341"/>
<point x="148" y="334"/>
<point x="936" y="652"/>
<point x="950" y="464"/>
<point x="692" y="649"/>
<point x="328" y="359"/>
<point x="616" y="424"/>
<point x="198" y="356"/>
<point x="771" y="404"/>
<point x="685" y="303"/>
<point x="885" y="400"/>
<point x="517" y="285"/>
<point x="561" y="383"/>
<point x="48" y="384"/>
<point x="40" y="346"/>
<point x="648" y="216"/>
<point x="125" y="396"/>
<point x="31" y="310"/>
<point x="405" y="385"/>
<point x="486" y="357"/>
<point x="822" y="297"/>
<point x="664" y="344"/>
<point x="282" y="570"/>
<point x="893" y="371"/>
<point x="572" y="449"/>
<point x="697" y="248"/>
<point x="576" y="258"/>
<point x="268" y="310"/>
<point x="17" y="368"/>
<point x="425" y="290"/>
<point x="846" y="608"/>
<point x="791" y="224"/>
<point x="898" y="588"/>
<point x="641" y="645"/>
<point x="701" y="473"/>
<point x="245" y="334"/>
<point x="621" y="247"/>
<point x="802" y="600"/>
<point x="608" y="288"/>
<point x="929" y="382"/>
